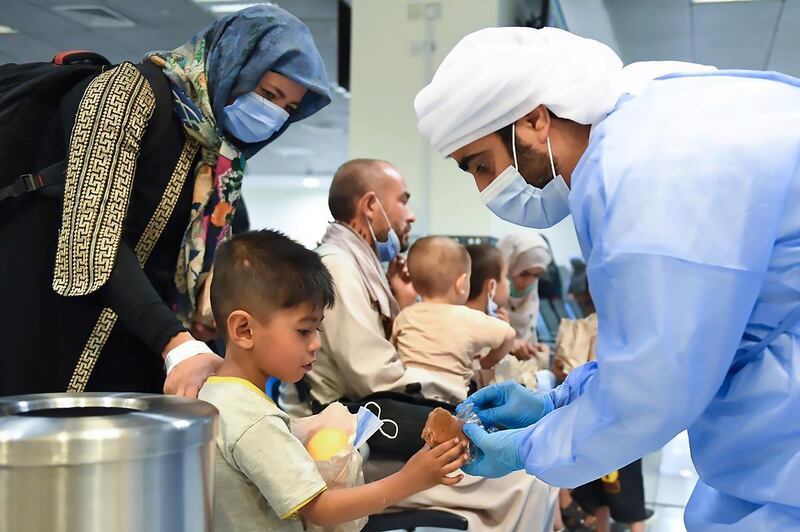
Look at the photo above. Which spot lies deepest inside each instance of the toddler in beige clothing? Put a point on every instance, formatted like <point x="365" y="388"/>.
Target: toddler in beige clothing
<point x="439" y="338"/>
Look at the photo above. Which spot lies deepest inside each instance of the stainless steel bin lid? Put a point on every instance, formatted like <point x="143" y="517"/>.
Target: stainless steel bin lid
<point x="70" y="429"/>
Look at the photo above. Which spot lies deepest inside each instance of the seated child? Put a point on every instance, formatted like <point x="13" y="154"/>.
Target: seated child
<point x="439" y="338"/>
<point x="268" y="296"/>
<point x="490" y="278"/>
<point x="489" y="288"/>
<point x="489" y="292"/>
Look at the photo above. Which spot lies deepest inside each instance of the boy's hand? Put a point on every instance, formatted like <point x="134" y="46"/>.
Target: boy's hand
<point x="502" y="313"/>
<point x="431" y="467"/>
<point x="400" y="282"/>
<point x="543" y="352"/>
<point x="523" y="350"/>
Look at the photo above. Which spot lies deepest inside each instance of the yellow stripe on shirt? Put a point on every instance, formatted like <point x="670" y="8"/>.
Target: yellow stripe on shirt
<point x="241" y="382"/>
<point x="292" y="514"/>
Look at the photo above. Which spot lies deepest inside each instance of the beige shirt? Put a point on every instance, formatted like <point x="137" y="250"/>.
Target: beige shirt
<point x="444" y="340"/>
<point x="263" y="474"/>
<point x="356" y="359"/>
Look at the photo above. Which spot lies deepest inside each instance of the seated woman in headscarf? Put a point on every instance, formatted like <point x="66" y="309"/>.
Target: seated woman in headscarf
<point x="100" y="284"/>
<point x="527" y="256"/>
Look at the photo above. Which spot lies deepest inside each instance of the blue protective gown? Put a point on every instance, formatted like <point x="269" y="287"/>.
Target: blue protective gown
<point x="687" y="209"/>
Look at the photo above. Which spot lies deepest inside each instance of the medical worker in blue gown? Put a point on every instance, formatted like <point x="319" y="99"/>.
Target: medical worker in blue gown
<point x="683" y="182"/>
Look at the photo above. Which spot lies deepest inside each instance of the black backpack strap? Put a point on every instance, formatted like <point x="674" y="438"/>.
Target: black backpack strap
<point x="73" y="57"/>
<point x="52" y="175"/>
<point x="161" y="120"/>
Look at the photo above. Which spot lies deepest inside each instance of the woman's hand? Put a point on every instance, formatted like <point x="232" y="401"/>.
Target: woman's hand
<point x="431" y="467"/>
<point x="187" y="377"/>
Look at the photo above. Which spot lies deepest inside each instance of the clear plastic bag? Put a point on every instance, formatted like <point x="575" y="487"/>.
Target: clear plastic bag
<point x="468" y="416"/>
<point x="343" y="470"/>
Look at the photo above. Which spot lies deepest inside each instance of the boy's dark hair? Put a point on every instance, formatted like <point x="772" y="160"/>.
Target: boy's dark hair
<point x="263" y="271"/>
<point x="487" y="263"/>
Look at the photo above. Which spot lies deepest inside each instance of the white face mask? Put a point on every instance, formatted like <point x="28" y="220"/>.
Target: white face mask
<point x="511" y="198"/>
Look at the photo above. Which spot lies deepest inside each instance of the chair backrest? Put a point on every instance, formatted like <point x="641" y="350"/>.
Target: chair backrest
<point x="412" y="519"/>
<point x="550" y="316"/>
<point x="542" y="332"/>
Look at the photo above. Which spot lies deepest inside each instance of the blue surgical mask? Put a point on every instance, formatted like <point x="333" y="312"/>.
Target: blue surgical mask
<point x="511" y="198"/>
<point x="252" y="118"/>
<point x="388" y="250"/>
<point x="491" y="308"/>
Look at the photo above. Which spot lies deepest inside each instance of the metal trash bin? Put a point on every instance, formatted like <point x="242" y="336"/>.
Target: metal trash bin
<point x="96" y="462"/>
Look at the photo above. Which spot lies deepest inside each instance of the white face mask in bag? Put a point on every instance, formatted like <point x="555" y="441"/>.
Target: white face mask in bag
<point x="511" y="198"/>
<point x="369" y="423"/>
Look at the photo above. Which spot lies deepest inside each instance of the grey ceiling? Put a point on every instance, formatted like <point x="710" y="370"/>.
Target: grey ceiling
<point x="315" y="146"/>
<point x="763" y="34"/>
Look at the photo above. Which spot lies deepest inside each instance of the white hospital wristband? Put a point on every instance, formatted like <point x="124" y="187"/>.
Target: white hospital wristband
<point x="184" y="351"/>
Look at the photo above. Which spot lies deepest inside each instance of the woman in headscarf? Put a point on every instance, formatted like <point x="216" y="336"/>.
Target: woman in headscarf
<point x="527" y="256"/>
<point x="100" y="283"/>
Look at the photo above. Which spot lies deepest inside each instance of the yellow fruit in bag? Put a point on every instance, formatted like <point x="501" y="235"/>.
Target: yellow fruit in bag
<point x="326" y="443"/>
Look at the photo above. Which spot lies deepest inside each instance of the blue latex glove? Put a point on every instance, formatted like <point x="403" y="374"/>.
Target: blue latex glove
<point x="499" y="451"/>
<point x="509" y="405"/>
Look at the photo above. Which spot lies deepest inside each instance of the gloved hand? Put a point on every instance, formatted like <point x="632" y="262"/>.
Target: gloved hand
<point x="508" y="404"/>
<point x="499" y="452"/>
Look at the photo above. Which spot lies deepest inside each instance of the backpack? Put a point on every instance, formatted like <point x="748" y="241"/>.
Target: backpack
<point x="30" y="95"/>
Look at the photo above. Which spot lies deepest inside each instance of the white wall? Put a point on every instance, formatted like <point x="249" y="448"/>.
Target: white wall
<point x="283" y="203"/>
<point x="391" y="61"/>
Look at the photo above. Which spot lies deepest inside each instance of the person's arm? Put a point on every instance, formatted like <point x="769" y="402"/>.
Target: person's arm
<point x="400" y="282"/>
<point x="129" y="293"/>
<point x="523" y="350"/>
<point x="662" y="357"/>
<point x="674" y="272"/>
<point x="94" y="222"/>
<point x="352" y="335"/>
<point x="485" y="331"/>
<point x="498" y="353"/>
<point x="573" y="385"/>
<point x="426" y="469"/>
<point x="294" y="485"/>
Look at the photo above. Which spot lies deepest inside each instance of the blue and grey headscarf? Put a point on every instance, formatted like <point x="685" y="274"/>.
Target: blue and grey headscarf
<point x="216" y="66"/>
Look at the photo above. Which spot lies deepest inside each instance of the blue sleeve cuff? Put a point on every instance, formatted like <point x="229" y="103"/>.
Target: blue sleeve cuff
<point x="573" y="387"/>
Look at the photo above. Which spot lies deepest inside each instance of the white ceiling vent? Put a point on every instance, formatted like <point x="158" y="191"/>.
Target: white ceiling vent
<point x="95" y="16"/>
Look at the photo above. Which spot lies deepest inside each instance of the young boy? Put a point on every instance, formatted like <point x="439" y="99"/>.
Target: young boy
<point x="438" y="339"/>
<point x="489" y="288"/>
<point x="268" y="295"/>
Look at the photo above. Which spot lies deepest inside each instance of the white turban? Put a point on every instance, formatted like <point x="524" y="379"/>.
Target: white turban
<point x="495" y="76"/>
